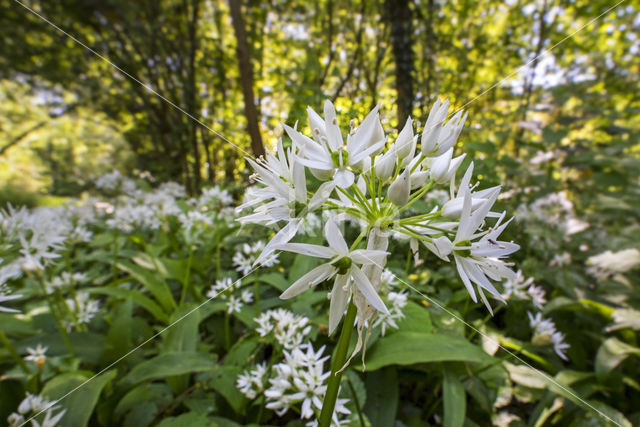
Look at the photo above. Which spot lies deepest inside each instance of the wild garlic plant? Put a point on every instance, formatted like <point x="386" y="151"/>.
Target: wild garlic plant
<point x="365" y="179"/>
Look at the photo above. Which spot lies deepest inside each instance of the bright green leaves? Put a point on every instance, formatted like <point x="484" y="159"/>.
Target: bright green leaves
<point x="408" y="348"/>
<point x="454" y="398"/>
<point x="79" y="405"/>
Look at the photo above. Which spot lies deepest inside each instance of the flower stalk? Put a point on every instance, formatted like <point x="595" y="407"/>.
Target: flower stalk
<point x="337" y="362"/>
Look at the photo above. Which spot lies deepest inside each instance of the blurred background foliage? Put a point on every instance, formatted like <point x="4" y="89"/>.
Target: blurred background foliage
<point x="68" y="116"/>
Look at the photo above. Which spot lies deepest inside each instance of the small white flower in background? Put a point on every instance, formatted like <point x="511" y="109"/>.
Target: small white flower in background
<point x="65" y="281"/>
<point x="515" y="287"/>
<point x="288" y="329"/>
<point x="194" y="218"/>
<point x="554" y="209"/>
<point x="225" y="288"/>
<point x="33" y="404"/>
<point x="537" y="294"/>
<point x="251" y="383"/>
<point x="545" y="333"/>
<point x="5" y="296"/>
<point x="559" y="346"/>
<point x="213" y="195"/>
<point x="608" y="263"/>
<point x="561" y="260"/>
<point x="83" y="308"/>
<point x="247" y="255"/>
<point x="37" y="355"/>
<point x="398" y="301"/>
<point x="625" y="318"/>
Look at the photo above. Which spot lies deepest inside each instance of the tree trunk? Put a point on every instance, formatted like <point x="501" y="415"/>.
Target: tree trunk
<point x="192" y="24"/>
<point x="246" y="78"/>
<point x="399" y="16"/>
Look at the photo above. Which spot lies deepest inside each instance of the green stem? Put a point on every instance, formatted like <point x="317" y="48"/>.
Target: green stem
<point x="5" y="341"/>
<point x="337" y="362"/>
<point x="227" y="336"/>
<point x="185" y="282"/>
<point x="356" y="402"/>
<point x="218" y="261"/>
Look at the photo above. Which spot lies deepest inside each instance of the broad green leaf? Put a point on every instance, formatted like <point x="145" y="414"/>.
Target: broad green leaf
<point x="382" y="396"/>
<point x="416" y="319"/>
<point x="611" y="353"/>
<point x="148" y="392"/>
<point x="454" y="399"/>
<point x="78" y="403"/>
<point x="119" y="336"/>
<point x="137" y="297"/>
<point x="168" y="364"/>
<point x="224" y="382"/>
<point x="155" y="284"/>
<point x="191" y="419"/>
<point x="183" y="335"/>
<point x="408" y="348"/>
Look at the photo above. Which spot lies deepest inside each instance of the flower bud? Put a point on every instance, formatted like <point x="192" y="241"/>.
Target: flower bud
<point x="399" y="189"/>
<point x="384" y="165"/>
<point x="405" y="143"/>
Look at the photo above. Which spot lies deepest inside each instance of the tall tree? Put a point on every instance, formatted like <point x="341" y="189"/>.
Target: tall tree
<point x="246" y="78"/>
<point x="400" y="17"/>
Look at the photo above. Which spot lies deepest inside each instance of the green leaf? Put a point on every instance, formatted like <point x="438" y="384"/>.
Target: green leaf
<point x="155" y="284"/>
<point x="611" y="353"/>
<point x="224" y="382"/>
<point x="454" y="398"/>
<point x="183" y="335"/>
<point x="138" y="298"/>
<point x="169" y="364"/>
<point x="191" y="419"/>
<point x="416" y="319"/>
<point x="382" y="397"/>
<point x="78" y="403"/>
<point x="408" y="348"/>
<point x="119" y="336"/>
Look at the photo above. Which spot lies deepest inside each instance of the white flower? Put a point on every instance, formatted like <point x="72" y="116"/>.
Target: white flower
<point x="438" y="137"/>
<point x="37" y="355"/>
<point x="477" y="260"/>
<point x="515" y="286"/>
<point x="537" y="294"/>
<point x="442" y="169"/>
<point x="288" y="328"/>
<point x="342" y="264"/>
<point x="559" y="346"/>
<point x="399" y="189"/>
<point x="326" y="154"/>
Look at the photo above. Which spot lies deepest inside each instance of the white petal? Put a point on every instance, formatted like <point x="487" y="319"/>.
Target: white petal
<point x="367" y="256"/>
<point x="465" y="278"/>
<point x="308" y="249"/>
<point x="339" y="299"/>
<point x="367" y="289"/>
<point x="334" y="136"/>
<point x="334" y="237"/>
<point x="309" y="280"/>
<point x="283" y="236"/>
<point x="321" y="195"/>
<point x="343" y="178"/>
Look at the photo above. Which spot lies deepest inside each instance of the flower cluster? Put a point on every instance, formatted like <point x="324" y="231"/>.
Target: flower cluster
<point x="298" y="380"/>
<point x="554" y="209"/>
<point x="246" y="256"/>
<point x="365" y="179"/>
<point x="545" y="333"/>
<point x="31" y="405"/>
<point x="524" y="289"/>
<point x="225" y="288"/>
<point x="288" y="329"/>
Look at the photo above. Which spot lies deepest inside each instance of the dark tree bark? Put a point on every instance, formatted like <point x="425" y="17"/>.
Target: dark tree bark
<point x="246" y="78"/>
<point x="400" y="17"/>
<point x="192" y="23"/>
